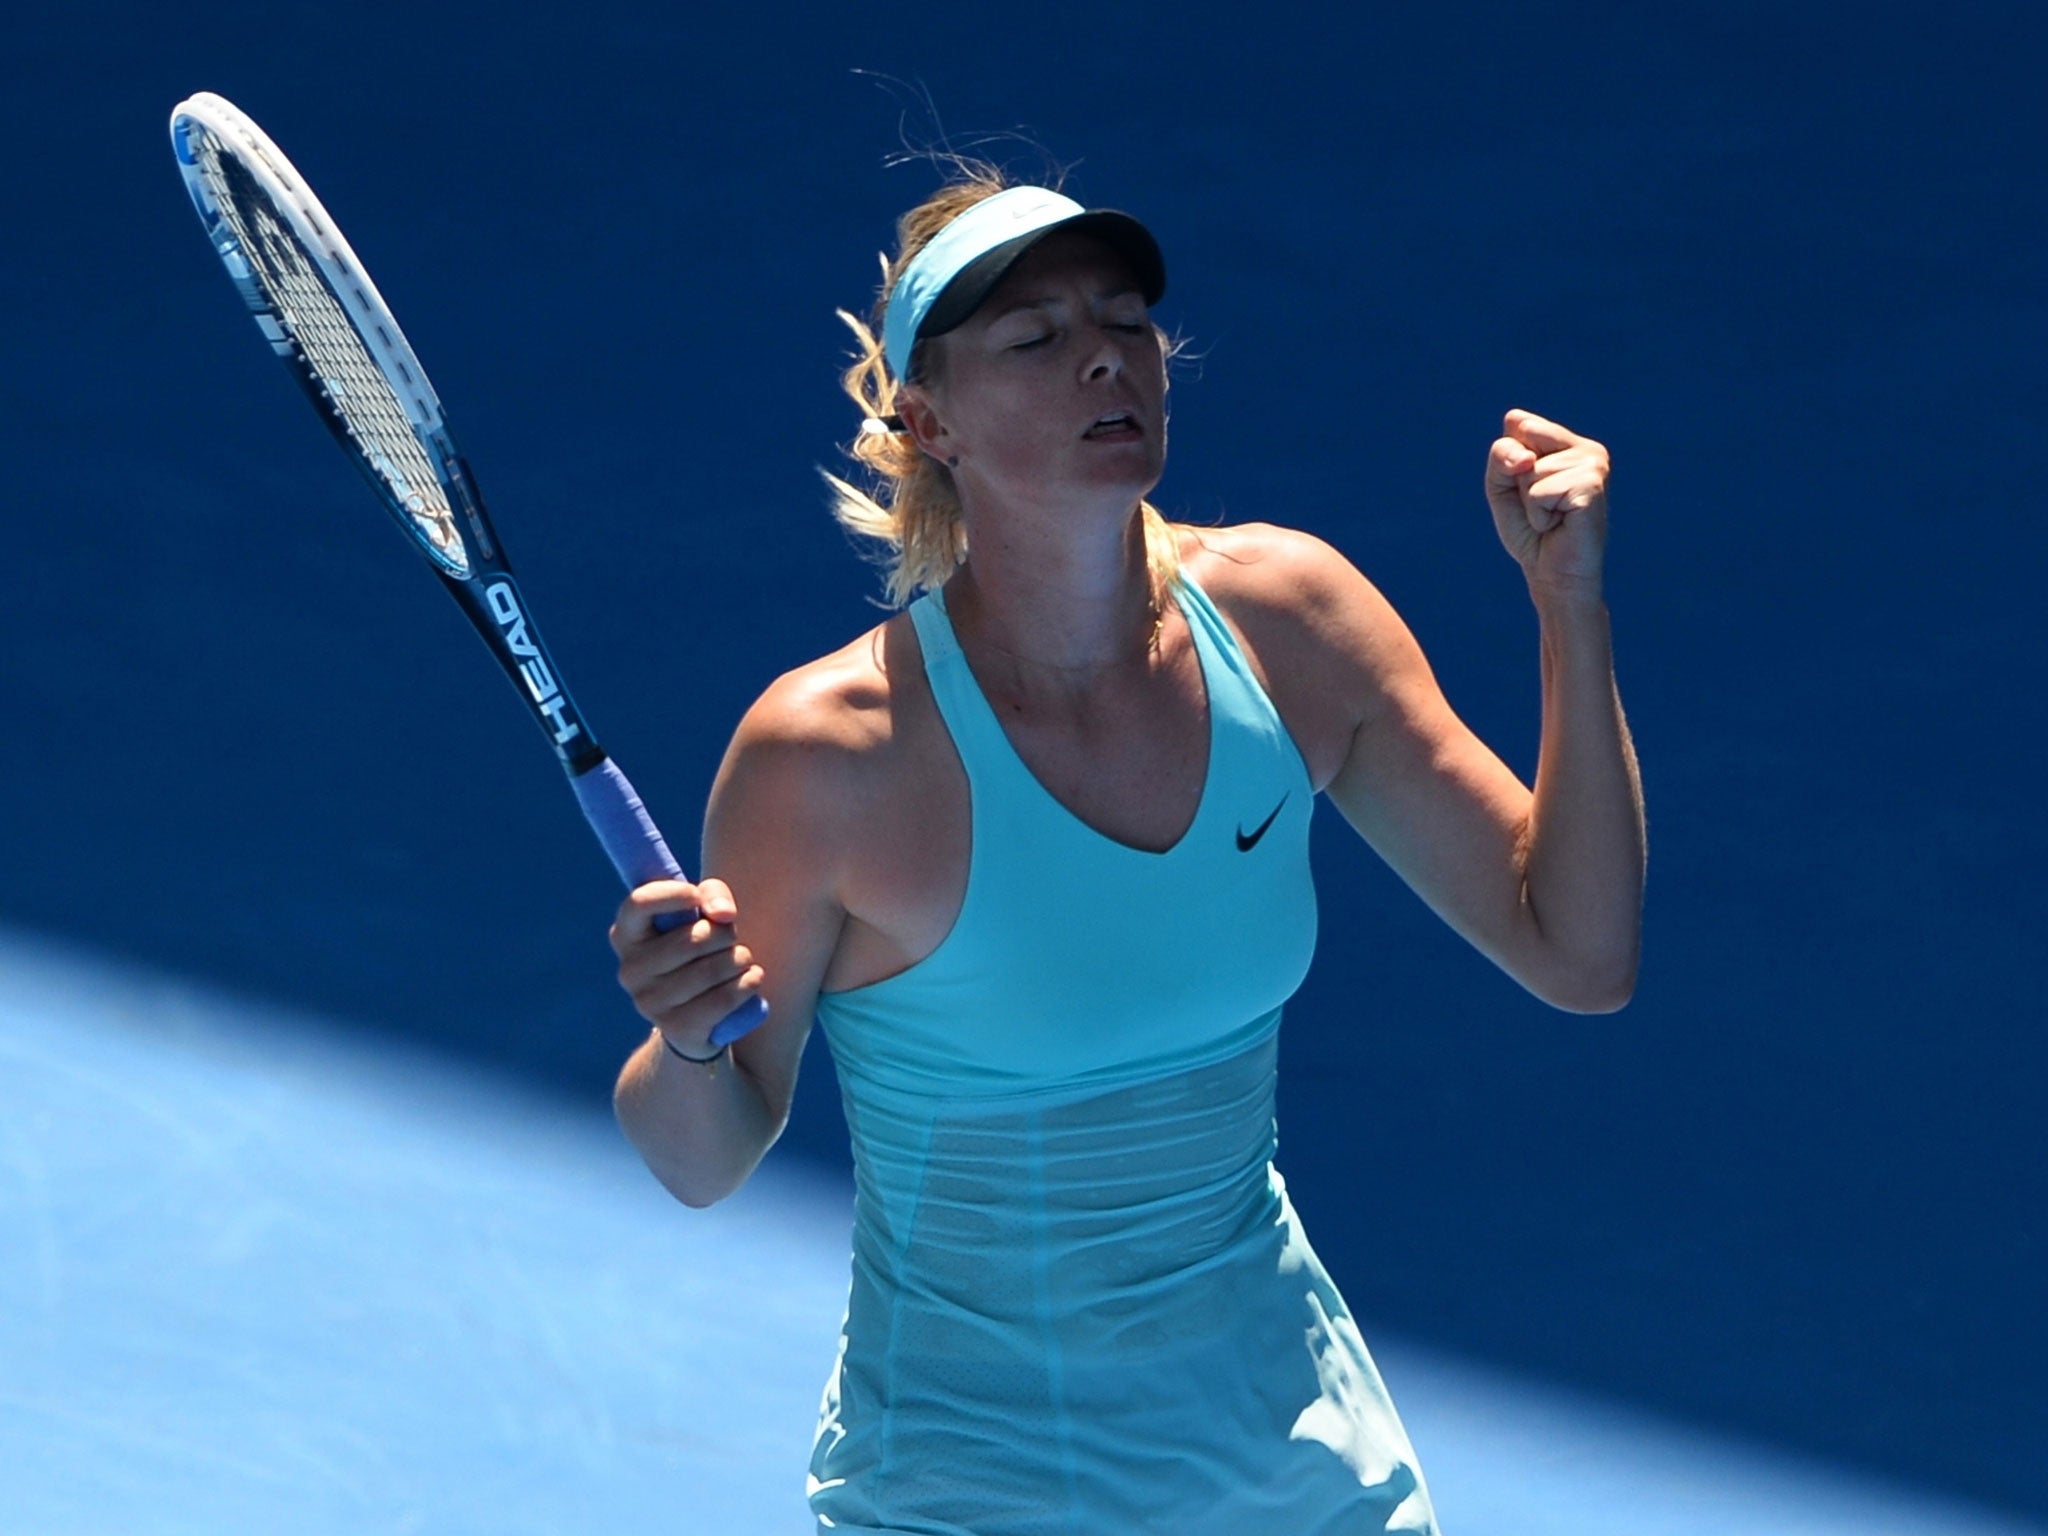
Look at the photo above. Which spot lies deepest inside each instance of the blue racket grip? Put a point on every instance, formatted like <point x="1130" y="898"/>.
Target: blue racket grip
<point x="613" y="809"/>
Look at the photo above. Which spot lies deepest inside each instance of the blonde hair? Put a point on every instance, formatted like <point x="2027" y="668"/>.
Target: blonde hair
<point x="912" y="508"/>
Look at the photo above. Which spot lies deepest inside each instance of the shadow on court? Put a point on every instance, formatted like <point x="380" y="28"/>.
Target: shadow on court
<point x="262" y="1275"/>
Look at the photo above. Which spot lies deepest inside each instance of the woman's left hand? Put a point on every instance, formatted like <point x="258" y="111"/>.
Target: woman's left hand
<point x="1548" y="489"/>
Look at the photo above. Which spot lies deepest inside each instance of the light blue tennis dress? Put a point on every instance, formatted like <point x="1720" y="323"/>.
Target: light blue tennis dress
<point x="1082" y="1304"/>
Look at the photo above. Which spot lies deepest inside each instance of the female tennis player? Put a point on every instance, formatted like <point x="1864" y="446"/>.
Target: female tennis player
<point x="1034" y="853"/>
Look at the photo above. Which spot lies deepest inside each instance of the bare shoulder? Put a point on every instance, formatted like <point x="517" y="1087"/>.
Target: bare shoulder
<point x="1280" y="574"/>
<point x="1251" y="556"/>
<point x="1329" y="648"/>
<point x="830" y="706"/>
<point x="841" y="806"/>
<point x="820" y="735"/>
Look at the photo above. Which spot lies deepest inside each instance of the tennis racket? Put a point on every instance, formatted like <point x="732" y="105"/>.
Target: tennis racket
<point x="320" y="312"/>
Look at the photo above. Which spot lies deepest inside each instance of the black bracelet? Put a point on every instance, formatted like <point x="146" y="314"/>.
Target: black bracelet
<point x="697" y="1061"/>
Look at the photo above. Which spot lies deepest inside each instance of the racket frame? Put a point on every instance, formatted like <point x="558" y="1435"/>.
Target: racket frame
<point x="481" y="579"/>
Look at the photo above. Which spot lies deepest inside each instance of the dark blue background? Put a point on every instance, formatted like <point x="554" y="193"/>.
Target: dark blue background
<point x="1786" y="265"/>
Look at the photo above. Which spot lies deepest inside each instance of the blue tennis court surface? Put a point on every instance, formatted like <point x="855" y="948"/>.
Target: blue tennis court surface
<point x="263" y="1275"/>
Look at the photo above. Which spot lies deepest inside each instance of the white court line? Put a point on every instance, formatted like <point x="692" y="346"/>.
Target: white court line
<point x="258" y="1275"/>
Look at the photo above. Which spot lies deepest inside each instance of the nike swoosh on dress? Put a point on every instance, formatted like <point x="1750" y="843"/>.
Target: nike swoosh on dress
<point x="1248" y="841"/>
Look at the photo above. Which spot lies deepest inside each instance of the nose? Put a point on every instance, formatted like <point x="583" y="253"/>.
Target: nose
<point x="1104" y="358"/>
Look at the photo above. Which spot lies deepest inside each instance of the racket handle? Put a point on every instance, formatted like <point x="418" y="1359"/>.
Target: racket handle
<point x="638" y="852"/>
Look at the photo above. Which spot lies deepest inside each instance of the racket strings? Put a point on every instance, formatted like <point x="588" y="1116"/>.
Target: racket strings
<point x="304" y="306"/>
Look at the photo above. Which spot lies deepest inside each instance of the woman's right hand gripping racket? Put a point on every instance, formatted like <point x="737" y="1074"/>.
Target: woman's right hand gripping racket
<point x="322" y="315"/>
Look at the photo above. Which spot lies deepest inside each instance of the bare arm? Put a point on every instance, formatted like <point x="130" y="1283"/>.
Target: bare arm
<point x="1583" y="865"/>
<point x="1583" y="858"/>
<point x="1545" y="882"/>
<point x="769" y="832"/>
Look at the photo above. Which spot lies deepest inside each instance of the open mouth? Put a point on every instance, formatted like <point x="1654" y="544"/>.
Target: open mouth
<point x="1114" y="424"/>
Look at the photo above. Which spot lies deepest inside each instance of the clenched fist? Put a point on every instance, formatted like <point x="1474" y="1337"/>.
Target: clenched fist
<point x="1548" y="489"/>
